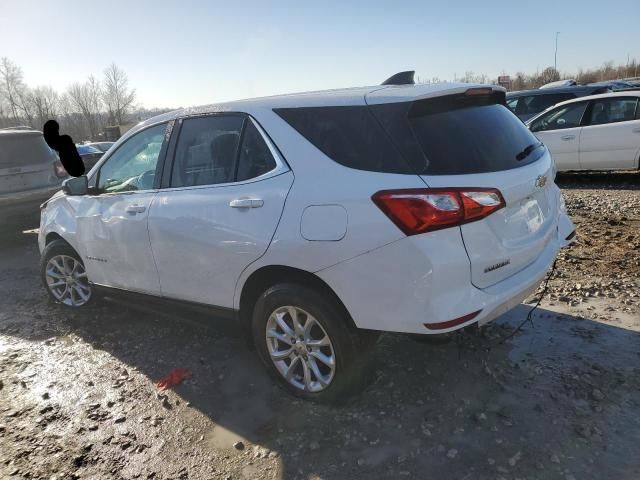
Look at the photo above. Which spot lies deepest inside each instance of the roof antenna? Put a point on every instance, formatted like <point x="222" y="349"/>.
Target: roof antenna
<point x="401" y="78"/>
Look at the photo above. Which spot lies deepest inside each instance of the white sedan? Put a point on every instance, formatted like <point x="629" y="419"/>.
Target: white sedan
<point x="599" y="132"/>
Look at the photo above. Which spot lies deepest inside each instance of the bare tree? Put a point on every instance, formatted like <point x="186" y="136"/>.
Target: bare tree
<point x="86" y="98"/>
<point x="11" y="86"/>
<point x="45" y="103"/>
<point x="116" y="94"/>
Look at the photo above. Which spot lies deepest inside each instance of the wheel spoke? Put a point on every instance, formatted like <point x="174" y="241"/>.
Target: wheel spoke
<point x="279" y="336"/>
<point x="281" y="354"/>
<point x="80" y="293"/>
<point x="292" y="367"/>
<point x="55" y="263"/>
<point x="283" y="325"/>
<point x="328" y="361"/>
<point x="316" y="371"/>
<point x="323" y="342"/>
<point x="295" y="318"/>
<point x="57" y="284"/>
<point x="53" y="274"/>
<point x="307" y="375"/>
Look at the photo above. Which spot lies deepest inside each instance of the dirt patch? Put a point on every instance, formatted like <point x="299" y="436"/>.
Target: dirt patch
<point x="559" y="400"/>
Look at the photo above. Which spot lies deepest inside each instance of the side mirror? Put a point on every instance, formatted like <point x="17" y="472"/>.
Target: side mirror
<point x="76" y="186"/>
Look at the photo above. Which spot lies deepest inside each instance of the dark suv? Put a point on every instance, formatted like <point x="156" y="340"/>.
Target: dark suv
<point x="527" y="103"/>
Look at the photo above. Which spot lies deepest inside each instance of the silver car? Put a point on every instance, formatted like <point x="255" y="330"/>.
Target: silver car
<point x="30" y="172"/>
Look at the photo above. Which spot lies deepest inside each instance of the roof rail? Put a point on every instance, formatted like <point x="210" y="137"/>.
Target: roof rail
<point x="401" y="78"/>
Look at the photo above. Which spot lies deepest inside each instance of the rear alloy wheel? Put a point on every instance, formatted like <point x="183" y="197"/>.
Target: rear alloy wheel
<point x="300" y="349"/>
<point x="64" y="275"/>
<point x="307" y="342"/>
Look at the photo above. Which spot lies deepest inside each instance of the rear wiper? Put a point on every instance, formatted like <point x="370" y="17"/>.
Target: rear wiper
<point x="527" y="151"/>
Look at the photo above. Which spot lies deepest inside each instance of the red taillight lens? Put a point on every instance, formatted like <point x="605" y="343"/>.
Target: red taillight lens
<point x="417" y="211"/>
<point x="58" y="169"/>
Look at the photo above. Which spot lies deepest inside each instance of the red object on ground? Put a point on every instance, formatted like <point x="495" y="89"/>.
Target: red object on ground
<point x="176" y="376"/>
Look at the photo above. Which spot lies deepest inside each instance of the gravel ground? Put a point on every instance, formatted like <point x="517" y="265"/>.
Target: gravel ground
<point x="558" y="400"/>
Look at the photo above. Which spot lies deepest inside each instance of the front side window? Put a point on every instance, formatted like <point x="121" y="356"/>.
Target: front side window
<point x="613" y="110"/>
<point x="512" y="104"/>
<point x="133" y="165"/>
<point x="567" y="116"/>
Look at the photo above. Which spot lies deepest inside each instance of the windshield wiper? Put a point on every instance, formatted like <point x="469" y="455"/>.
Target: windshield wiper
<point x="527" y="151"/>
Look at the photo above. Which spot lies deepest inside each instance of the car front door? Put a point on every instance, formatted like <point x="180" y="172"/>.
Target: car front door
<point x="611" y="137"/>
<point x="226" y="191"/>
<point x="112" y="223"/>
<point x="559" y="129"/>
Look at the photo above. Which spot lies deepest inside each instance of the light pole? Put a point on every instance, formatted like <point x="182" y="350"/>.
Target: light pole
<point x="555" y="56"/>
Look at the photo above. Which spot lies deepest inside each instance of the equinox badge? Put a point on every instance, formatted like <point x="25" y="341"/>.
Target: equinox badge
<point x="541" y="181"/>
<point x="497" y="266"/>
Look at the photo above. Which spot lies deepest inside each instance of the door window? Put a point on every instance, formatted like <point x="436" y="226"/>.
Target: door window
<point x="207" y="150"/>
<point x="133" y="165"/>
<point x="216" y="149"/>
<point x="255" y="157"/>
<point x="567" y="116"/>
<point x="613" y="110"/>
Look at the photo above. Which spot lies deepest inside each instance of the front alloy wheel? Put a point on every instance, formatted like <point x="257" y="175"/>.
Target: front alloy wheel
<point x="300" y="349"/>
<point x="67" y="280"/>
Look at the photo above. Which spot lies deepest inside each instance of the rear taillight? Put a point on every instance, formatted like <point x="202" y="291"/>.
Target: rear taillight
<point x="58" y="169"/>
<point x="423" y="210"/>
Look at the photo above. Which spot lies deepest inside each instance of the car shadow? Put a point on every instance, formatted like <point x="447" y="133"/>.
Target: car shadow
<point x="430" y="410"/>
<point x="617" y="180"/>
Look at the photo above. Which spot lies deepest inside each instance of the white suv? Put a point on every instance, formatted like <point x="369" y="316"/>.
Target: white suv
<point x="317" y="220"/>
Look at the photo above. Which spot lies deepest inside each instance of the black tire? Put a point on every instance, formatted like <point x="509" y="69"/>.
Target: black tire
<point x="351" y="346"/>
<point x="55" y="248"/>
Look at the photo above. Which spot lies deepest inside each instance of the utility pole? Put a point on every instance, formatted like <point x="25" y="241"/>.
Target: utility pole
<point x="555" y="57"/>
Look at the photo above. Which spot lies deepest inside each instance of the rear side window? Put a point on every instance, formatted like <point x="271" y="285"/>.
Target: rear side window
<point x="472" y="139"/>
<point x="613" y="110"/>
<point x="23" y="149"/>
<point x="350" y="136"/>
<point x="255" y="158"/>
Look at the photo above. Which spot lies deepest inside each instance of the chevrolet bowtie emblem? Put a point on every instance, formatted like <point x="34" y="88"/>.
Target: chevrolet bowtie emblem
<point x="541" y="181"/>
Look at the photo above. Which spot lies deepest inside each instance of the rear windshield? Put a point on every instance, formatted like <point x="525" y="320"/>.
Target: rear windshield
<point x="474" y="139"/>
<point x="19" y="150"/>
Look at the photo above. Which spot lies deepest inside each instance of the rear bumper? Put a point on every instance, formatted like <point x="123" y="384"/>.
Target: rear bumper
<point x="26" y="204"/>
<point x="426" y="279"/>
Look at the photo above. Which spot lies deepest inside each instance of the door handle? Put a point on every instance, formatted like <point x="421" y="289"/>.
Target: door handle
<point x="636" y="130"/>
<point x="133" y="209"/>
<point x="568" y="137"/>
<point x="246" y="203"/>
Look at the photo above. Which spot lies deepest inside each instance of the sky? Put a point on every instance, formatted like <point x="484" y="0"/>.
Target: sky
<point x="185" y="52"/>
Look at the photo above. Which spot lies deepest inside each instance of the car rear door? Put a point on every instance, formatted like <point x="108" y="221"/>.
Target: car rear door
<point x="610" y="138"/>
<point x="560" y="129"/>
<point x="112" y="223"/>
<point x="226" y="190"/>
